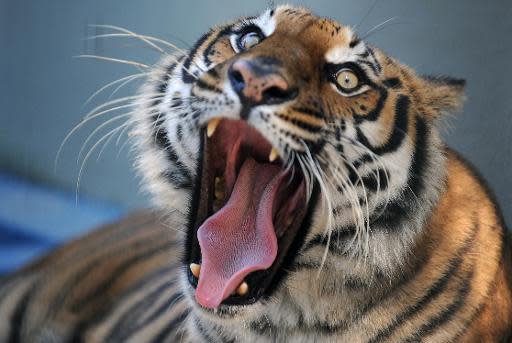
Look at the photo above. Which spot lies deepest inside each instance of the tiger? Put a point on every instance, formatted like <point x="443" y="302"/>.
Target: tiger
<point x="303" y="194"/>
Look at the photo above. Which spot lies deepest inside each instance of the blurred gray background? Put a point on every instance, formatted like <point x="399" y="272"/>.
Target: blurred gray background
<point x="43" y="87"/>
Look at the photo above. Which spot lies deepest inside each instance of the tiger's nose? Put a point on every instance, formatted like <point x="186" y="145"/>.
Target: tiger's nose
<point x="257" y="82"/>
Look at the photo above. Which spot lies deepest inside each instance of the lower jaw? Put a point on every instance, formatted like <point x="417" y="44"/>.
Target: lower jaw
<point x="267" y="281"/>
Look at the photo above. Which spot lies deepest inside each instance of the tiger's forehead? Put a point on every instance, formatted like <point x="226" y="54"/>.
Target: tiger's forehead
<point x="335" y="42"/>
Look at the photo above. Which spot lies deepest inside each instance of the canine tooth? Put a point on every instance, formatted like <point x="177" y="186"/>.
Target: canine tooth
<point x="195" y="269"/>
<point x="212" y="126"/>
<point x="242" y="289"/>
<point x="219" y="195"/>
<point x="288" y="222"/>
<point x="273" y="155"/>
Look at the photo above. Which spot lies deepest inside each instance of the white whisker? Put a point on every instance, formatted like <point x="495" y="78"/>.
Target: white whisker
<point x="107" y="122"/>
<point x="129" y="77"/>
<point x="376" y="27"/>
<point x="87" y="157"/>
<point x="117" y="60"/>
<point x="130" y="33"/>
<point x="124" y="126"/>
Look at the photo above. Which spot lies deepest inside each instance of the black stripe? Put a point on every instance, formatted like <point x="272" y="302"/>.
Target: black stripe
<point x="356" y="283"/>
<point x="377" y="64"/>
<point x="299" y="123"/>
<point x="128" y="322"/>
<point x="263" y="327"/>
<point x="464" y="327"/>
<point x="170" y="327"/>
<point x="179" y="176"/>
<point x="374" y="114"/>
<point x="420" y="157"/>
<point x="376" y="181"/>
<point x="208" y="50"/>
<point x="297" y="266"/>
<point x="338" y="235"/>
<point x="202" y="331"/>
<point x="422" y="263"/>
<point x="204" y="85"/>
<point x="185" y="75"/>
<point x="103" y="288"/>
<point x="446" y="314"/>
<point x="309" y="111"/>
<point x="445" y="80"/>
<point x="399" y="129"/>
<point x="179" y="132"/>
<point x="365" y="54"/>
<point x="362" y="160"/>
<point x="317" y="326"/>
<point x="132" y="325"/>
<point x="162" y="86"/>
<point x="18" y="316"/>
<point x="398" y="210"/>
<point x="161" y="89"/>
<point x="103" y="313"/>
<point x="82" y="273"/>
<point x="392" y="82"/>
<point x="161" y="139"/>
<point x="371" y="65"/>
<point x="354" y="42"/>
<point x="214" y="73"/>
<point x="176" y="101"/>
<point x="436" y="288"/>
<point x="177" y="180"/>
<point x="163" y="308"/>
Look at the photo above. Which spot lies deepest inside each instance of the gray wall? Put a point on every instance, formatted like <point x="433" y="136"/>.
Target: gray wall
<point x="42" y="87"/>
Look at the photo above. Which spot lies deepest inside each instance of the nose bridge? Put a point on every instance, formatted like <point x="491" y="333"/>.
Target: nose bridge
<point x="287" y="54"/>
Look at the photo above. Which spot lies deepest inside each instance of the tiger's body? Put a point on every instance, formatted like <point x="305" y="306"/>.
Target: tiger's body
<point x="401" y="240"/>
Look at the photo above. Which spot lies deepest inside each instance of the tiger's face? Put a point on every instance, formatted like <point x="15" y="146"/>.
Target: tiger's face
<point x="288" y="149"/>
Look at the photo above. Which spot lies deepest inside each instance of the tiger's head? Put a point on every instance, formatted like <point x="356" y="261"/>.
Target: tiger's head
<point x="296" y="158"/>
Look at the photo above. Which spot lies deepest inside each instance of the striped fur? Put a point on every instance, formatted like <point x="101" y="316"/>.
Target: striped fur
<point x="405" y="242"/>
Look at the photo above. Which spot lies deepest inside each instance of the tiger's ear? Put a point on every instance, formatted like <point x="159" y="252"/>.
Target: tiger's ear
<point x="443" y="94"/>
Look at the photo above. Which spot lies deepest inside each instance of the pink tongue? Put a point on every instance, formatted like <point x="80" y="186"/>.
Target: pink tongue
<point x="239" y="238"/>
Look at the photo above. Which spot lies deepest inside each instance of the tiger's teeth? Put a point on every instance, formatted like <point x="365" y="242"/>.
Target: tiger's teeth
<point x="219" y="188"/>
<point x="242" y="289"/>
<point x="212" y="126"/>
<point x="273" y="155"/>
<point x="195" y="269"/>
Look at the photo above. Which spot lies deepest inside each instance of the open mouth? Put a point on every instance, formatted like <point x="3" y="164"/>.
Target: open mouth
<point x="249" y="216"/>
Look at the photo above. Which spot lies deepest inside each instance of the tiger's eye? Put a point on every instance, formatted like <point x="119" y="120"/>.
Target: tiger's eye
<point x="347" y="79"/>
<point x="249" y="40"/>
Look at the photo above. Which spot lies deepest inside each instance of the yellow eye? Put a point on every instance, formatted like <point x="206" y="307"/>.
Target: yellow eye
<point x="347" y="79"/>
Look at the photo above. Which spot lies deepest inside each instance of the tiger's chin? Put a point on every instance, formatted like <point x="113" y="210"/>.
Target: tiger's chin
<point x="249" y="217"/>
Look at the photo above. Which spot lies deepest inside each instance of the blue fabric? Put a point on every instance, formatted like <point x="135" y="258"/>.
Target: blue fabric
<point x="34" y="219"/>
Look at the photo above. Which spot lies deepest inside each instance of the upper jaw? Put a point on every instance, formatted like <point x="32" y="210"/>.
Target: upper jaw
<point x="272" y="154"/>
